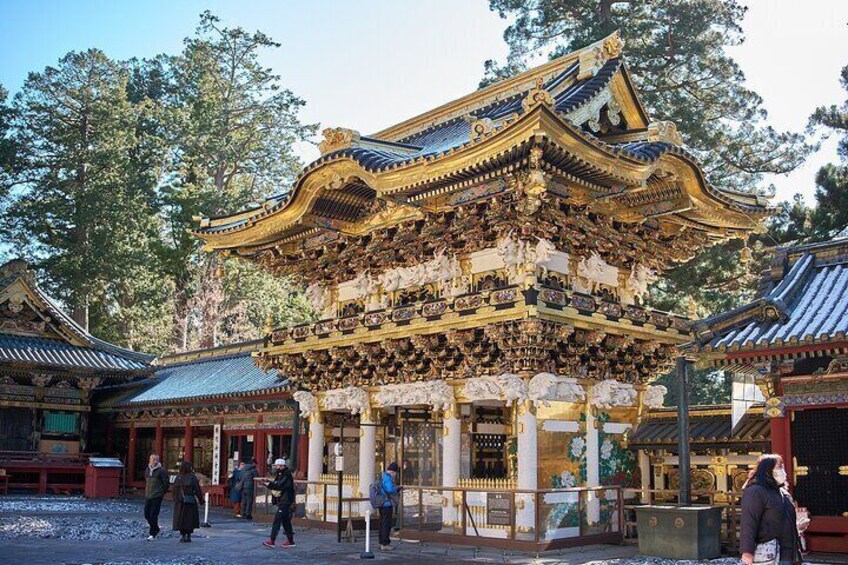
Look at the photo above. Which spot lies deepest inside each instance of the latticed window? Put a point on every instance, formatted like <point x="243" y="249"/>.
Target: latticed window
<point x="60" y="423"/>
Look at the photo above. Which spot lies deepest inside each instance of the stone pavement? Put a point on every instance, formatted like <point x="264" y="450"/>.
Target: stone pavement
<point x="54" y="530"/>
<point x="68" y="530"/>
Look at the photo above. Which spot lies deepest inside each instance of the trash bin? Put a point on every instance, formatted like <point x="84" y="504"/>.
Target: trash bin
<point x="103" y="477"/>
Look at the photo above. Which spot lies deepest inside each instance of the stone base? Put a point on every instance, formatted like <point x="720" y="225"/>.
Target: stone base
<point x="679" y="532"/>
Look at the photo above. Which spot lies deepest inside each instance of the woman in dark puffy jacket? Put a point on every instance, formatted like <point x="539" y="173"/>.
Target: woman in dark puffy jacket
<point x="768" y="515"/>
<point x="187" y="499"/>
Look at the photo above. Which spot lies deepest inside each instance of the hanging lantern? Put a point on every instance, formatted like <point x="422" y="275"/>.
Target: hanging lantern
<point x="745" y="254"/>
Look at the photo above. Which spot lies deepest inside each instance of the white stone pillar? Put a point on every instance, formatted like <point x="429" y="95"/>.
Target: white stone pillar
<point x="645" y="474"/>
<point x="451" y="459"/>
<point x="315" y="493"/>
<point x="527" y="466"/>
<point x="367" y="455"/>
<point x="593" y="467"/>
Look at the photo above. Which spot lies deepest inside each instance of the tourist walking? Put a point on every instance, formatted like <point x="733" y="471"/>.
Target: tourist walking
<point x="187" y="500"/>
<point x="248" y="473"/>
<point x="385" y="495"/>
<point x="155" y="486"/>
<point x="769" y="532"/>
<point x="235" y="491"/>
<point x="282" y="494"/>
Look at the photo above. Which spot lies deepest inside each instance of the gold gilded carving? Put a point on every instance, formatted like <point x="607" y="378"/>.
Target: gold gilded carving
<point x="481" y="127"/>
<point x="665" y="131"/>
<point x="337" y="138"/>
<point x="536" y="96"/>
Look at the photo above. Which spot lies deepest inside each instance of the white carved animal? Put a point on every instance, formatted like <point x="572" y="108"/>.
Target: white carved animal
<point x="640" y="278"/>
<point x="544" y="387"/>
<point x="610" y="393"/>
<point x="390" y="280"/>
<point x="437" y="394"/>
<point x="307" y="402"/>
<point x="654" y="396"/>
<point x="512" y="387"/>
<point x="598" y="271"/>
<point x="482" y="388"/>
<point x="319" y="296"/>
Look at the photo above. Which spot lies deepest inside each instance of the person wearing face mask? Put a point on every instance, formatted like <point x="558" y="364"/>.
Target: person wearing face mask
<point x="769" y="532"/>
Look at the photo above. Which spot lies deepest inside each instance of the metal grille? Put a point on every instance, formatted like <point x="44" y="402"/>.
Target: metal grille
<point x="820" y="443"/>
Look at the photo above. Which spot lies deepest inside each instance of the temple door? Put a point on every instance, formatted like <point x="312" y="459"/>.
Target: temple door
<point x="820" y="449"/>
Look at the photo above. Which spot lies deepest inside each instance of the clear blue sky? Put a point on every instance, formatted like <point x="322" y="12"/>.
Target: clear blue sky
<point x="366" y="64"/>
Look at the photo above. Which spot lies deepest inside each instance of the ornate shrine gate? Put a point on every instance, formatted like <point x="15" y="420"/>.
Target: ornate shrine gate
<point x="485" y="265"/>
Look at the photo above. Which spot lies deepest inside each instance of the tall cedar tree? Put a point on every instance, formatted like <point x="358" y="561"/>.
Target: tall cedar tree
<point x="676" y="52"/>
<point x="233" y="128"/>
<point x="831" y="214"/>
<point x="8" y="150"/>
<point x="80" y="212"/>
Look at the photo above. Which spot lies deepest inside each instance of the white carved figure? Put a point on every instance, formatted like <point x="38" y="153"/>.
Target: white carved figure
<point x="390" y="280"/>
<point x="351" y="398"/>
<point x="307" y="402"/>
<point x="544" y="387"/>
<point x="512" y="387"/>
<point x="363" y="286"/>
<point x="320" y="298"/>
<point x="640" y="279"/>
<point x="508" y="249"/>
<point x="597" y="271"/>
<point x="654" y="396"/>
<point x="543" y="252"/>
<point x="437" y="394"/>
<point x="611" y="393"/>
<point x="482" y="388"/>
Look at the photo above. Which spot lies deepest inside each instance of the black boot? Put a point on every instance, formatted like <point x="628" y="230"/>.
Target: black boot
<point x="182" y="538"/>
<point x="188" y="538"/>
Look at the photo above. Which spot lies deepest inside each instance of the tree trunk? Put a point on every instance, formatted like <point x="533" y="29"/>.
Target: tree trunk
<point x="80" y="314"/>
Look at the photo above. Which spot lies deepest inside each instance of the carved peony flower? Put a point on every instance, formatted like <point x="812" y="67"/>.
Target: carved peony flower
<point x="606" y="449"/>
<point x="568" y="479"/>
<point x="578" y="445"/>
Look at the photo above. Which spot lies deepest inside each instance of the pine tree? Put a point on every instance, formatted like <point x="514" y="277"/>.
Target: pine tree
<point x="8" y="149"/>
<point x="831" y="214"/>
<point x="676" y="52"/>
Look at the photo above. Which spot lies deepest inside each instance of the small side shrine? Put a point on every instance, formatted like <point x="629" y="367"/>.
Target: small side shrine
<point x="49" y="369"/>
<point x="792" y="343"/>
<point x="479" y="275"/>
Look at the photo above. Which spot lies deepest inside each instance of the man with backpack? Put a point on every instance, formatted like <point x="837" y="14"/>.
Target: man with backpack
<point x="384" y="495"/>
<point x="282" y="494"/>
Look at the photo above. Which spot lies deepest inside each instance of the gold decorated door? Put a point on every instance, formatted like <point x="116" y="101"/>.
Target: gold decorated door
<point x="421" y="452"/>
<point x="820" y="460"/>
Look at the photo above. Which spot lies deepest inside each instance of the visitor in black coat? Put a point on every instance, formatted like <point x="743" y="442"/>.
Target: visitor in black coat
<point x="282" y="494"/>
<point x="187" y="500"/>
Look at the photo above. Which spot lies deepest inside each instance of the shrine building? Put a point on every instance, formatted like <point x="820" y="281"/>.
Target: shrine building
<point x="479" y="275"/>
<point x="49" y="370"/>
<point x="791" y="342"/>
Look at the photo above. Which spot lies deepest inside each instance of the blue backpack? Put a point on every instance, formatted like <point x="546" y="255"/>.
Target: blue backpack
<point x="376" y="494"/>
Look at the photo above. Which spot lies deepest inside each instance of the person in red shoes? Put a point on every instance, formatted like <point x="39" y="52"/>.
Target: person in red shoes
<point x="282" y="494"/>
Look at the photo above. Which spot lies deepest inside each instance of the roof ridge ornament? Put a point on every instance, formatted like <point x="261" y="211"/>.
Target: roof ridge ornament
<point x="336" y="139"/>
<point x="665" y="131"/>
<point x="536" y="96"/>
<point x="594" y="57"/>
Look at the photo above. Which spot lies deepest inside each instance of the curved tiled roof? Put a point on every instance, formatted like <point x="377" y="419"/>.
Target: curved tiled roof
<point x="58" y="353"/>
<point x="207" y="378"/>
<point x="808" y="304"/>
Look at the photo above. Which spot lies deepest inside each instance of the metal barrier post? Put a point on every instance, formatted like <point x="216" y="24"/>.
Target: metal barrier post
<point x="206" y="523"/>
<point x="367" y="553"/>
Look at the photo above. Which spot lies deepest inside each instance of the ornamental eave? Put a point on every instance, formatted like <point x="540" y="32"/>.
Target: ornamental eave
<point x="538" y="126"/>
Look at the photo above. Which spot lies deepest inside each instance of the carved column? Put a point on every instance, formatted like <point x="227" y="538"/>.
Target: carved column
<point x="367" y="454"/>
<point x="451" y="460"/>
<point x="316" y="463"/>
<point x="131" y="455"/>
<point x="593" y="465"/>
<point x="159" y="442"/>
<point x="188" y="454"/>
<point x="645" y="474"/>
<point x="527" y="467"/>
